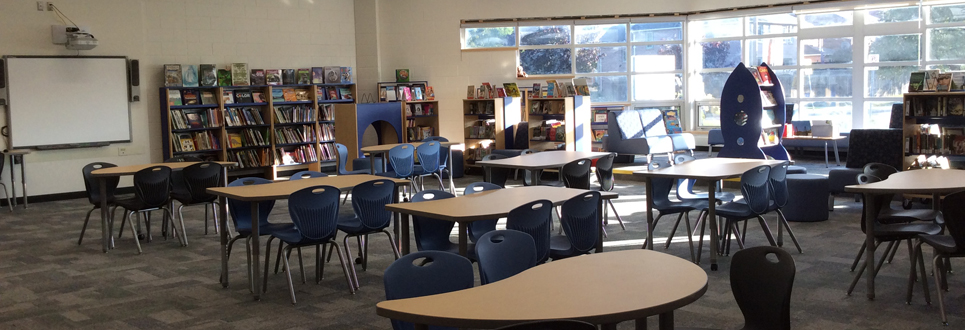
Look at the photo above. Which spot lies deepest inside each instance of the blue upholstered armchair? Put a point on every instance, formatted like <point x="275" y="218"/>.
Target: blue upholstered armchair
<point x="643" y="132"/>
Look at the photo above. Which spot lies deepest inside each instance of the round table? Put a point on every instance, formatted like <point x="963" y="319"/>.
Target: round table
<point x="602" y="288"/>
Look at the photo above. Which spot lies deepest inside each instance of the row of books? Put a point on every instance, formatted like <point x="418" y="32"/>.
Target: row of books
<point x="328" y="132"/>
<point x="200" y="141"/>
<point x="407" y="93"/>
<point x="327" y="112"/>
<point x="547" y="107"/>
<point x="482" y="129"/>
<point x="936" y="81"/>
<point x="238" y="74"/>
<point x="480" y="108"/>
<point x="935" y="106"/>
<point x="191" y="97"/>
<point x="550" y="130"/>
<point x="247" y="138"/>
<point x="332" y="93"/>
<point x="297" y="155"/>
<point x="420" y="109"/>
<point x="295" y="134"/>
<point x="418" y="133"/>
<point x="328" y="151"/>
<point x="487" y="91"/>
<point x="769" y="136"/>
<point x="951" y="141"/>
<point x="294" y="114"/>
<point x="249" y="158"/>
<point x="190" y="119"/>
<point x="761" y="74"/>
<point x="479" y="151"/>
<point x="243" y="117"/>
<point x="554" y="88"/>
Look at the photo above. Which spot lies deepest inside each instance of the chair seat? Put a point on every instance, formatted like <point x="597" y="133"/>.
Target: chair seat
<point x="910" y="230"/>
<point x="131" y="204"/>
<point x="942" y="243"/>
<point x="734" y="210"/>
<point x="721" y="196"/>
<point x="391" y="174"/>
<point x="352" y="225"/>
<point x="244" y="228"/>
<point x="355" y="172"/>
<point x="911" y="215"/>
<point x="292" y="236"/>
<point x="560" y="247"/>
<point x="679" y="207"/>
<point x="184" y="197"/>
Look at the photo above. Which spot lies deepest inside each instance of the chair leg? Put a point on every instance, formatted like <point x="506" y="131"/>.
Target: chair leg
<point x="321" y="264"/>
<point x="264" y="284"/>
<point x="891" y="254"/>
<point x="228" y="254"/>
<point x="348" y="251"/>
<point x="790" y="233"/>
<point x="921" y="269"/>
<point x="84" y="228"/>
<point x="345" y="199"/>
<point x="857" y="258"/>
<point x="702" y="222"/>
<point x="883" y="257"/>
<point x="690" y="236"/>
<point x="655" y="221"/>
<point x="938" y="275"/>
<point x="134" y="232"/>
<point x="184" y="233"/>
<point x="318" y="263"/>
<point x="288" y="273"/>
<point x="767" y="231"/>
<point x="277" y="258"/>
<point x="301" y="267"/>
<point x="395" y="249"/>
<point x="673" y="230"/>
<point x="341" y="259"/>
<point x="857" y="276"/>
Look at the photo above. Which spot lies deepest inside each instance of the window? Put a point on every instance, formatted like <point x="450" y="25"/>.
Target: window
<point x="489" y="37"/>
<point x="827" y="19"/>
<point x="891" y="15"/>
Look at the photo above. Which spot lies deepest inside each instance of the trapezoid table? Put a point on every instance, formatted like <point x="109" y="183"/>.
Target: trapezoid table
<point x="542" y="160"/>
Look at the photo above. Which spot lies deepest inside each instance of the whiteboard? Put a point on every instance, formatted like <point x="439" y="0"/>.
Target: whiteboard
<point x="67" y="101"/>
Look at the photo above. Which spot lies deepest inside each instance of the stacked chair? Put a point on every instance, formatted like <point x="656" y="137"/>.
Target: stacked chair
<point x="197" y="179"/>
<point x="580" y="222"/>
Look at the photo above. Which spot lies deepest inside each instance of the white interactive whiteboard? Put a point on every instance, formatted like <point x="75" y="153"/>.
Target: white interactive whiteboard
<point x="67" y="101"/>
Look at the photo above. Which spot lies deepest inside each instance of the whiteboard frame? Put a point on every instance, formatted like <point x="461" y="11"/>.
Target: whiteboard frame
<point x="10" y="127"/>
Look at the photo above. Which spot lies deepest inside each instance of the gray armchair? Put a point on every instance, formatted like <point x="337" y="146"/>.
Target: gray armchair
<point x="643" y="132"/>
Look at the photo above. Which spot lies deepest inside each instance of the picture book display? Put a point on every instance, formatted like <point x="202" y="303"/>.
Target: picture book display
<point x="224" y="77"/>
<point x="258" y="77"/>
<point x="172" y="75"/>
<point x="239" y="74"/>
<point x="288" y="76"/>
<point x="189" y="75"/>
<point x="402" y="75"/>
<point x="208" y="75"/>
<point x="333" y="74"/>
<point x="273" y="77"/>
<point x="303" y="76"/>
<point x="672" y="120"/>
<point x="318" y="75"/>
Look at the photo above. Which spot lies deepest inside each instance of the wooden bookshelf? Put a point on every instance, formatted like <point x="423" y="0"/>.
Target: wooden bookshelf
<point x="494" y="116"/>
<point x="421" y="120"/>
<point x="941" y="109"/>
<point x="573" y="111"/>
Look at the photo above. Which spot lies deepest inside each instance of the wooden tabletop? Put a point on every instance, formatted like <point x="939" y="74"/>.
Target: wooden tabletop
<point x="383" y="148"/>
<point x="545" y="159"/>
<point x="708" y="168"/>
<point x="808" y="137"/>
<point x="488" y="204"/>
<point x="131" y="169"/>
<point x="602" y="288"/>
<point x="16" y="152"/>
<point x="281" y="190"/>
<point x="932" y="181"/>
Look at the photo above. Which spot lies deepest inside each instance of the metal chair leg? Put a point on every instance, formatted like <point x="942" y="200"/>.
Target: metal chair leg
<point x="134" y="232"/>
<point x="264" y="284"/>
<point x="301" y="267"/>
<point x="84" y="228"/>
<point x="673" y="230"/>
<point x="288" y="273"/>
<point x="619" y="219"/>
<point x="341" y="259"/>
<point x="790" y="233"/>
<point x="348" y="250"/>
<point x="938" y="279"/>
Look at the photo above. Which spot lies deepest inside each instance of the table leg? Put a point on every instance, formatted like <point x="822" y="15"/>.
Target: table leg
<point x="13" y="182"/>
<point x="418" y="326"/>
<point x="640" y="324"/>
<point x="869" y="252"/>
<point x="649" y="192"/>
<point x="599" y="220"/>
<point x="936" y="202"/>
<point x="609" y="326"/>
<point x="396" y="221"/>
<point x="666" y="321"/>
<point x="712" y="222"/>
<point x="837" y="157"/>
<point x="23" y="180"/>
<point x="223" y="223"/>
<point x="826" y="164"/>
<point x="105" y="227"/>
<point x="371" y="164"/>
<point x="255" y="253"/>
<point x="452" y="185"/>
<point x="405" y="233"/>
<point x="463" y="238"/>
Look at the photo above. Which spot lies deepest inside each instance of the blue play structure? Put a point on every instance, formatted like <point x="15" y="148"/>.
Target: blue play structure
<point x="372" y="113"/>
<point x="741" y="109"/>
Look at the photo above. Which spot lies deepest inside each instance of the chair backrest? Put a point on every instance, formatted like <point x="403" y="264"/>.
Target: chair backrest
<point x="314" y="211"/>
<point x="955" y="217"/>
<point x="241" y="211"/>
<point x="685" y="187"/>
<point x="426" y="273"/>
<point x="495" y="175"/>
<point x="521" y="140"/>
<point x="307" y="175"/>
<point x="429" y="156"/>
<point x="480" y="227"/>
<point x="201" y="176"/>
<point x="402" y="159"/>
<point x="604" y="171"/>
<point x="880" y="170"/>
<point x="180" y="159"/>
<point x="431" y="234"/>
<point x="882" y="200"/>
<point x="152" y="186"/>
<point x="661" y="186"/>
<point x="778" y="180"/>
<point x="551" y="325"/>
<point x="177" y="178"/>
<point x="504" y="253"/>
<point x="756" y="189"/>
<point x="475" y="187"/>
<point x="576" y="174"/>
<point x="342" y="154"/>
<point x="369" y="200"/>
<point x="93" y="190"/>
<point x="435" y="138"/>
<point x="534" y="218"/>
<point x="581" y="222"/>
<point x="443" y="150"/>
<point x="762" y="287"/>
<point x="715" y="137"/>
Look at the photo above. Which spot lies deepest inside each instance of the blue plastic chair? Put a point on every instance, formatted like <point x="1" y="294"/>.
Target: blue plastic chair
<point x="779" y="196"/>
<point x="240" y="213"/>
<point x="426" y="273"/>
<point x="307" y="175"/>
<point x="755" y="187"/>
<point x="314" y="212"/>
<point x="604" y="175"/>
<point x="342" y="152"/>
<point x="152" y="192"/>
<point x="402" y="159"/>
<point x="581" y="225"/>
<point x="432" y="234"/>
<point x="504" y="253"/>
<point x="495" y="175"/>
<point x="479" y="227"/>
<point x="663" y="204"/>
<point x="429" y="163"/>
<point x="371" y="217"/>
<point x="685" y="187"/>
<point x="443" y="154"/>
<point x="536" y="219"/>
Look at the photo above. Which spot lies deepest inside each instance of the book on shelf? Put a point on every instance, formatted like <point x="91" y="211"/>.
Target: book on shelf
<point x="390" y="94"/>
<point x="958" y="81"/>
<point x="208" y="75"/>
<point x="258" y="77"/>
<point x="512" y="90"/>
<point x="301" y="95"/>
<point x="227" y="97"/>
<point x="185" y="142"/>
<point x="406" y="93"/>
<point x="767" y="98"/>
<point x="288" y="76"/>
<point x="401" y="75"/>
<point x="765" y="75"/>
<point x="174" y="97"/>
<point x="189" y="96"/>
<point x="327" y="112"/>
<point x="318" y="75"/>
<point x="471" y="92"/>
<point x="570" y="88"/>
<point x="288" y="94"/>
<point x="599" y="116"/>
<point x="409" y="111"/>
<point x="244" y="96"/>
<point x="598" y="135"/>
<point x="956" y="106"/>
<point x="333" y="74"/>
<point x="277" y="95"/>
<point x="172" y="75"/>
<point x="417" y="109"/>
<point x="417" y="93"/>
<point x="582" y="87"/>
<point x="332" y="92"/>
<point x="944" y="82"/>
<point x="207" y="97"/>
<point x="258" y="97"/>
<point x="672" y="121"/>
<point x="234" y="140"/>
<point x="224" y="77"/>
<point x="537" y="92"/>
<point x="916" y="82"/>
<point x="189" y="77"/>
<point x="239" y="74"/>
<point x="500" y="92"/>
<point x="769" y="136"/>
<point x="345" y="93"/>
<point x="429" y="109"/>
<point x="327" y="151"/>
<point x="756" y="74"/>
<point x="328" y="132"/>
<point x="430" y="93"/>
<point x="346" y="74"/>
<point x="194" y="120"/>
<point x="303" y="76"/>
<point x="273" y="77"/>
<point x="550" y="89"/>
<point x="931" y="80"/>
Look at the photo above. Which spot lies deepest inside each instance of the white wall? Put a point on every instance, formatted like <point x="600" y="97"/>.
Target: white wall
<point x="423" y="36"/>
<point x="263" y="33"/>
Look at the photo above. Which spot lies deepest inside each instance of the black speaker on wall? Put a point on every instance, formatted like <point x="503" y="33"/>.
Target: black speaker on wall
<point x="134" y="78"/>
<point x="3" y="75"/>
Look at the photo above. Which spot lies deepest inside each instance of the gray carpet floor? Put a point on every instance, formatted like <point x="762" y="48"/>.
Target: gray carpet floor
<point x="47" y="281"/>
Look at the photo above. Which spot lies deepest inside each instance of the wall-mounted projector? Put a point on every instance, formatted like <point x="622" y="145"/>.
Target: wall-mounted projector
<point x="73" y="37"/>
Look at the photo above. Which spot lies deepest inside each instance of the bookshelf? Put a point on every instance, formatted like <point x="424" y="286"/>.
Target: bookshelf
<point x="560" y="120"/>
<point x="933" y="125"/>
<point x="752" y="113"/>
<point x="485" y="123"/>
<point x="598" y="123"/>
<point x="267" y="130"/>
<point x="421" y="118"/>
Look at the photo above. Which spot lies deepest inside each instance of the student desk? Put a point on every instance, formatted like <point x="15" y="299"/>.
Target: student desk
<point x="934" y="182"/>
<point x="274" y="191"/>
<point x="383" y="149"/>
<point x="541" y="160"/>
<point x="710" y="169"/>
<point x="108" y="172"/>
<point x="487" y="205"/>
<point x="602" y="288"/>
